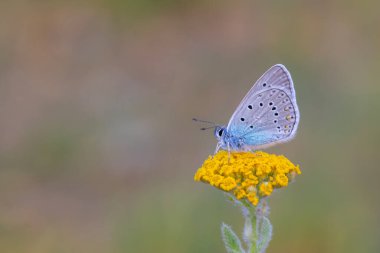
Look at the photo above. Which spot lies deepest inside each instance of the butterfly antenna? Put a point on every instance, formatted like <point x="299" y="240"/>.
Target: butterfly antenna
<point x="204" y="121"/>
<point x="207" y="122"/>
<point x="205" y="128"/>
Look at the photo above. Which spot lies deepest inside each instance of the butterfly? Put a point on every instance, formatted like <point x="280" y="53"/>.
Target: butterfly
<point x="267" y="115"/>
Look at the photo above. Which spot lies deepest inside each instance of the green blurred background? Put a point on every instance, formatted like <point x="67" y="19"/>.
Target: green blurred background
<point x="97" y="146"/>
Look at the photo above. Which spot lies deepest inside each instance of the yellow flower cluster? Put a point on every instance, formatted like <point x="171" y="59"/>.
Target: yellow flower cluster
<point x="247" y="175"/>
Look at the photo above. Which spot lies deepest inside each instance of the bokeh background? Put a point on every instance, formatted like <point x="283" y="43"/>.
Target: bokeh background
<point x="97" y="146"/>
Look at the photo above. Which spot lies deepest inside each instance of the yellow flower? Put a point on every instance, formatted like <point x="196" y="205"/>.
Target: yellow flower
<point x="266" y="189"/>
<point x="252" y="197"/>
<point x="240" y="193"/>
<point x="247" y="175"/>
<point x="228" y="184"/>
<point x="282" y="180"/>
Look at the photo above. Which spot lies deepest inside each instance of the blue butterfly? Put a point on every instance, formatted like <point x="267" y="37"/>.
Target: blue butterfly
<point x="267" y="115"/>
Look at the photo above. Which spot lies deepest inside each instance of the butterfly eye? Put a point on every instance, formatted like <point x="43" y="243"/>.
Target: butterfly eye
<point x="220" y="132"/>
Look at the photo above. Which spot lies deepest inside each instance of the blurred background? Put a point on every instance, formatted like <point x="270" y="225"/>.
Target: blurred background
<point x="97" y="146"/>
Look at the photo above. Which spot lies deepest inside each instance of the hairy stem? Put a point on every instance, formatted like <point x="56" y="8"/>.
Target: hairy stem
<point x="256" y="234"/>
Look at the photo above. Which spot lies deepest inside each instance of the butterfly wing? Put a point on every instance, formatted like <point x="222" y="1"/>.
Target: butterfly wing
<point x="268" y="114"/>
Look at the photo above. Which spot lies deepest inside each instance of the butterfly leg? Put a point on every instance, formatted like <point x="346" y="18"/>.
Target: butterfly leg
<point x="229" y="152"/>
<point x="217" y="148"/>
<point x="249" y="150"/>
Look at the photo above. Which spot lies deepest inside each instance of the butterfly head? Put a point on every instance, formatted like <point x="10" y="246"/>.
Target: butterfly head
<point x="219" y="132"/>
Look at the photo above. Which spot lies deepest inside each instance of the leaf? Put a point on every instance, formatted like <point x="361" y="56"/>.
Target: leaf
<point x="265" y="235"/>
<point x="231" y="241"/>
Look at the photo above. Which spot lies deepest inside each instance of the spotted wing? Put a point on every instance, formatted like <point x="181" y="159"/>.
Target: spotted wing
<point x="268" y="114"/>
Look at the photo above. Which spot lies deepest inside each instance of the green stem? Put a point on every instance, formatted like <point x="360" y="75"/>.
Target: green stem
<point x="255" y="235"/>
<point x="254" y="218"/>
<point x="257" y="228"/>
